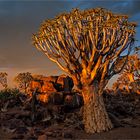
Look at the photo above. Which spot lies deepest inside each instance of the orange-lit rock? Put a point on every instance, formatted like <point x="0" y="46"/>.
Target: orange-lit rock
<point x="60" y="80"/>
<point x="43" y="97"/>
<point x="48" y="87"/>
<point x="66" y="83"/>
<point x="56" y="98"/>
<point x="49" y="79"/>
<point x="34" y="85"/>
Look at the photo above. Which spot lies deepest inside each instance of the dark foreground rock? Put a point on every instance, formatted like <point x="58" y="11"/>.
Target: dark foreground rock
<point x="64" y="121"/>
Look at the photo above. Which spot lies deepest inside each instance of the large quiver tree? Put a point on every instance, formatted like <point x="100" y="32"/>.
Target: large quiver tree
<point x="88" y="46"/>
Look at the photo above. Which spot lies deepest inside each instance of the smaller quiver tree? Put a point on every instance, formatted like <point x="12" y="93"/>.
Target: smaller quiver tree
<point x="88" y="45"/>
<point x="23" y="80"/>
<point x="130" y="75"/>
<point x="3" y="79"/>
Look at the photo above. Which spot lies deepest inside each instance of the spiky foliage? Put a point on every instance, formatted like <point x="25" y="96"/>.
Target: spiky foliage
<point x="86" y="44"/>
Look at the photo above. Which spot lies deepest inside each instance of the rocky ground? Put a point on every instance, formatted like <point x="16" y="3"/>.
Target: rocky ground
<point x="19" y="120"/>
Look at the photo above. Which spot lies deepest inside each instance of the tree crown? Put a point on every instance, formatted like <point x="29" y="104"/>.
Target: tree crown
<point x="87" y="44"/>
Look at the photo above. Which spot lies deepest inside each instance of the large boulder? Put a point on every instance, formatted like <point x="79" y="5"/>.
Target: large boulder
<point x="50" y="79"/>
<point x="65" y="83"/>
<point x="73" y="101"/>
<point x="48" y="87"/>
<point x="56" y="98"/>
<point x="35" y="85"/>
<point x="44" y="97"/>
<point x="52" y="84"/>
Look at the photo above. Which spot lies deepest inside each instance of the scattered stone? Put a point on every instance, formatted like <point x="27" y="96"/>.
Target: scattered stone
<point x="49" y="133"/>
<point x="21" y="130"/>
<point x="42" y="137"/>
<point x="67" y="135"/>
<point x="18" y="137"/>
<point x="48" y="87"/>
<point x="56" y="98"/>
<point x="66" y="83"/>
<point x="116" y="122"/>
<point x="50" y="79"/>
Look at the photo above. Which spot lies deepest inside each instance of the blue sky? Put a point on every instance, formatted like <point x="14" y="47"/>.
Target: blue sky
<point x="19" y="19"/>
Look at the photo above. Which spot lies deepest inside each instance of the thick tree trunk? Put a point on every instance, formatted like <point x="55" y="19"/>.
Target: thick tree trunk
<point x="95" y="117"/>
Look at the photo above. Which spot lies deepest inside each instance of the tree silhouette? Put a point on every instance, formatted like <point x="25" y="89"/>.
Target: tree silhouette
<point x="88" y="45"/>
<point x="23" y="80"/>
<point x="3" y="79"/>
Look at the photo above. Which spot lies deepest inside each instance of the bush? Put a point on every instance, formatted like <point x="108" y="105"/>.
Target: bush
<point x="8" y="93"/>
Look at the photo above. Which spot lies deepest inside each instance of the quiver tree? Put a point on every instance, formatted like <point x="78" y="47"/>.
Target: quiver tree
<point x="88" y="46"/>
<point x="23" y="80"/>
<point x="3" y="79"/>
<point x="130" y="75"/>
<point x="132" y="68"/>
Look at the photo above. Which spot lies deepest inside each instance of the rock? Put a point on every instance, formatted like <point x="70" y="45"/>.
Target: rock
<point x="116" y="122"/>
<point x="48" y="87"/>
<point x="73" y="101"/>
<point x="127" y="120"/>
<point x="52" y="84"/>
<point x="49" y="133"/>
<point x="34" y="85"/>
<point x="21" y="130"/>
<point x="54" y="109"/>
<point x="56" y="98"/>
<point x="18" y="137"/>
<point x="43" y="97"/>
<point x="50" y="79"/>
<point x="68" y="101"/>
<point x="42" y="137"/>
<point x="66" y="83"/>
<point x="67" y="135"/>
<point x="60" y="80"/>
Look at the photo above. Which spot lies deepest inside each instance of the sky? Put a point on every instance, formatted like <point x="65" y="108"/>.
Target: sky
<point x="19" y="19"/>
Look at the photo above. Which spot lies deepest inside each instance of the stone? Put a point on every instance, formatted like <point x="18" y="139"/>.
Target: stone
<point x="34" y="85"/>
<point x="48" y="87"/>
<point x="42" y="137"/>
<point x="67" y="135"/>
<point x="66" y="83"/>
<point x="73" y="101"/>
<point x="43" y="97"/>
<point x="49" y="133"/>
<point x="68" y="101"/>
<point x="56" y="98"/>
<point x="50" y="79"/>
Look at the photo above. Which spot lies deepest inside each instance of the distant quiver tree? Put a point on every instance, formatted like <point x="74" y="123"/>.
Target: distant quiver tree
<point x="130" y="75"/>
<point x="23" y="80"/>
<point x="88" y="45"/>
<point x="3" y="79"/>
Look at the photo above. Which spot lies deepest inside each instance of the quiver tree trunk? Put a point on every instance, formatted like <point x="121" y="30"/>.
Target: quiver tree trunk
<point x="95" y="117"/>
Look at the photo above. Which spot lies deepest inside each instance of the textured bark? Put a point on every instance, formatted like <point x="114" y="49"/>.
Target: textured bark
<point x="95" y="116"/>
